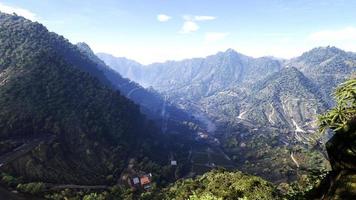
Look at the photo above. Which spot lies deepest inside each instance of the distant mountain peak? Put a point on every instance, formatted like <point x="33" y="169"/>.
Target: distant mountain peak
<point x="229" y="53"/>
<point x="321" y="51"/>
<point x="331" y="49"/>
<point x="83" y="44"/>
<point x="230" y="50"/>
<point x="84" y="47"/>
<point x="123" y="60"/>
<point x="320" y="54"/>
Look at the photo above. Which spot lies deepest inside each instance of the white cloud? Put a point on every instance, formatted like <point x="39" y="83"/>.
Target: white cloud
<point x="189" y="27"/>
<point x="204" y="18"/>
<point x="19" y="11"/>
<point x="190" y="22"/>
<point x="348" y="33"/>
<point x="215" y="36"/>
<point x="163" y="17"/>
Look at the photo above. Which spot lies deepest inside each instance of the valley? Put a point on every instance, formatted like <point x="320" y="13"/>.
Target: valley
<point x="275" y="111"/>
<point x="75" y="124"/>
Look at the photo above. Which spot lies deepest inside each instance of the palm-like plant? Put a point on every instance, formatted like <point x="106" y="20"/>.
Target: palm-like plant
<point x="339" y="117"/>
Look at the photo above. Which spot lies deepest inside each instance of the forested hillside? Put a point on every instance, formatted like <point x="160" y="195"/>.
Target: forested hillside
<point x="152" y="104"/>
<point x="62" y="113"/>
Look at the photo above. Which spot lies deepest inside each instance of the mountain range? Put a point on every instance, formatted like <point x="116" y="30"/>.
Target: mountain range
<point x="72" y="120"/>
<point x="230" y="86"/>
<point x="263" y="111"/>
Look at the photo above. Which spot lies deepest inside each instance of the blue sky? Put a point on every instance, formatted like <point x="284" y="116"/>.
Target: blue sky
<point x="158" y="30"/>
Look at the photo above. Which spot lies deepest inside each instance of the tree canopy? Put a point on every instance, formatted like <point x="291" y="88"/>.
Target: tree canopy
<point x="340" y="117"/>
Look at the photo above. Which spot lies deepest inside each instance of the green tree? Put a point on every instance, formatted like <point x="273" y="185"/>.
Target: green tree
<point x="206" y="196"/>
<point x="94" y="196"/>
<point x="339" y="117"/>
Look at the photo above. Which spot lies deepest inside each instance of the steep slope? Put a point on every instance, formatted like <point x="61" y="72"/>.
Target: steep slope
<point x="326" y="67"/>
<point x="290" y="98"/>
<point x="285" y="99"/>
<point x="125" y="86"/>
<point x="49" y="89"/>
<point x="152" y="104"/>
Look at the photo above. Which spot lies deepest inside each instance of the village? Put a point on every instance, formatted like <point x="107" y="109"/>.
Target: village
<point x="204" y="156"/>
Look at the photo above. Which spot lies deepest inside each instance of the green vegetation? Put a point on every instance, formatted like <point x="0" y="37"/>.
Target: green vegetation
<point x="262" y="153"/>
<point x="341" y="148"/>
<point x="221" y="184"/>
<point x="339" y="117"/>
<point x="214" y="185"/>
<point x="31" y="188"/>
<point x="151" y="103"/>
<point x="340" y="182"/>
<point x="48" y="87"/>
<point x="9" y="180"/>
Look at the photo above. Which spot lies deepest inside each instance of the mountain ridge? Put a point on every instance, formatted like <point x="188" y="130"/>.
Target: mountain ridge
<point x="203" y="78"/>
<point x="50" y="89"/>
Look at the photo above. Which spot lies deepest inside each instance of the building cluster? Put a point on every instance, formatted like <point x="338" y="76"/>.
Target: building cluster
<point x="142" y="181"/>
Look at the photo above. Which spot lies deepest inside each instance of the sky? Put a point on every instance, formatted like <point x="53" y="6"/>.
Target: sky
<point x="158" y="30"/>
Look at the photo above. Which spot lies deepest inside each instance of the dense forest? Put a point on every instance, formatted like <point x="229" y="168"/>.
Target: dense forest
<point x="53" y="96"/>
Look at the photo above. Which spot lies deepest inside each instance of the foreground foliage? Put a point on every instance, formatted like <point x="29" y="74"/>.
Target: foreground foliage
<point x="339" y="117"/>
<point x="221" y="184"/>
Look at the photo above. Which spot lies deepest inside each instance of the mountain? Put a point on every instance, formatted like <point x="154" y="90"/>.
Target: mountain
<point x="151" y="102"/>
<point x="326" y="67"/>
<point x="70" y="123"/>
<point x="61" y="119"/>
<point x="67" y="126"/>
<point x="284" y="99"/>
<point x="261" y="110"/>
<point x="226" y="86"/>
<point x="126" y="67"/>
<point x="201" y="77"/>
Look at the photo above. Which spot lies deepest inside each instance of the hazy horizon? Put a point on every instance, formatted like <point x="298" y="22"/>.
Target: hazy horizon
<point x="198" y="57"/>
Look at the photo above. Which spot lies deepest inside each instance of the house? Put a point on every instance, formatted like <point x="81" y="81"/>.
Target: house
<point x="146" y="181"/>
<point x="136" y="180"/>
